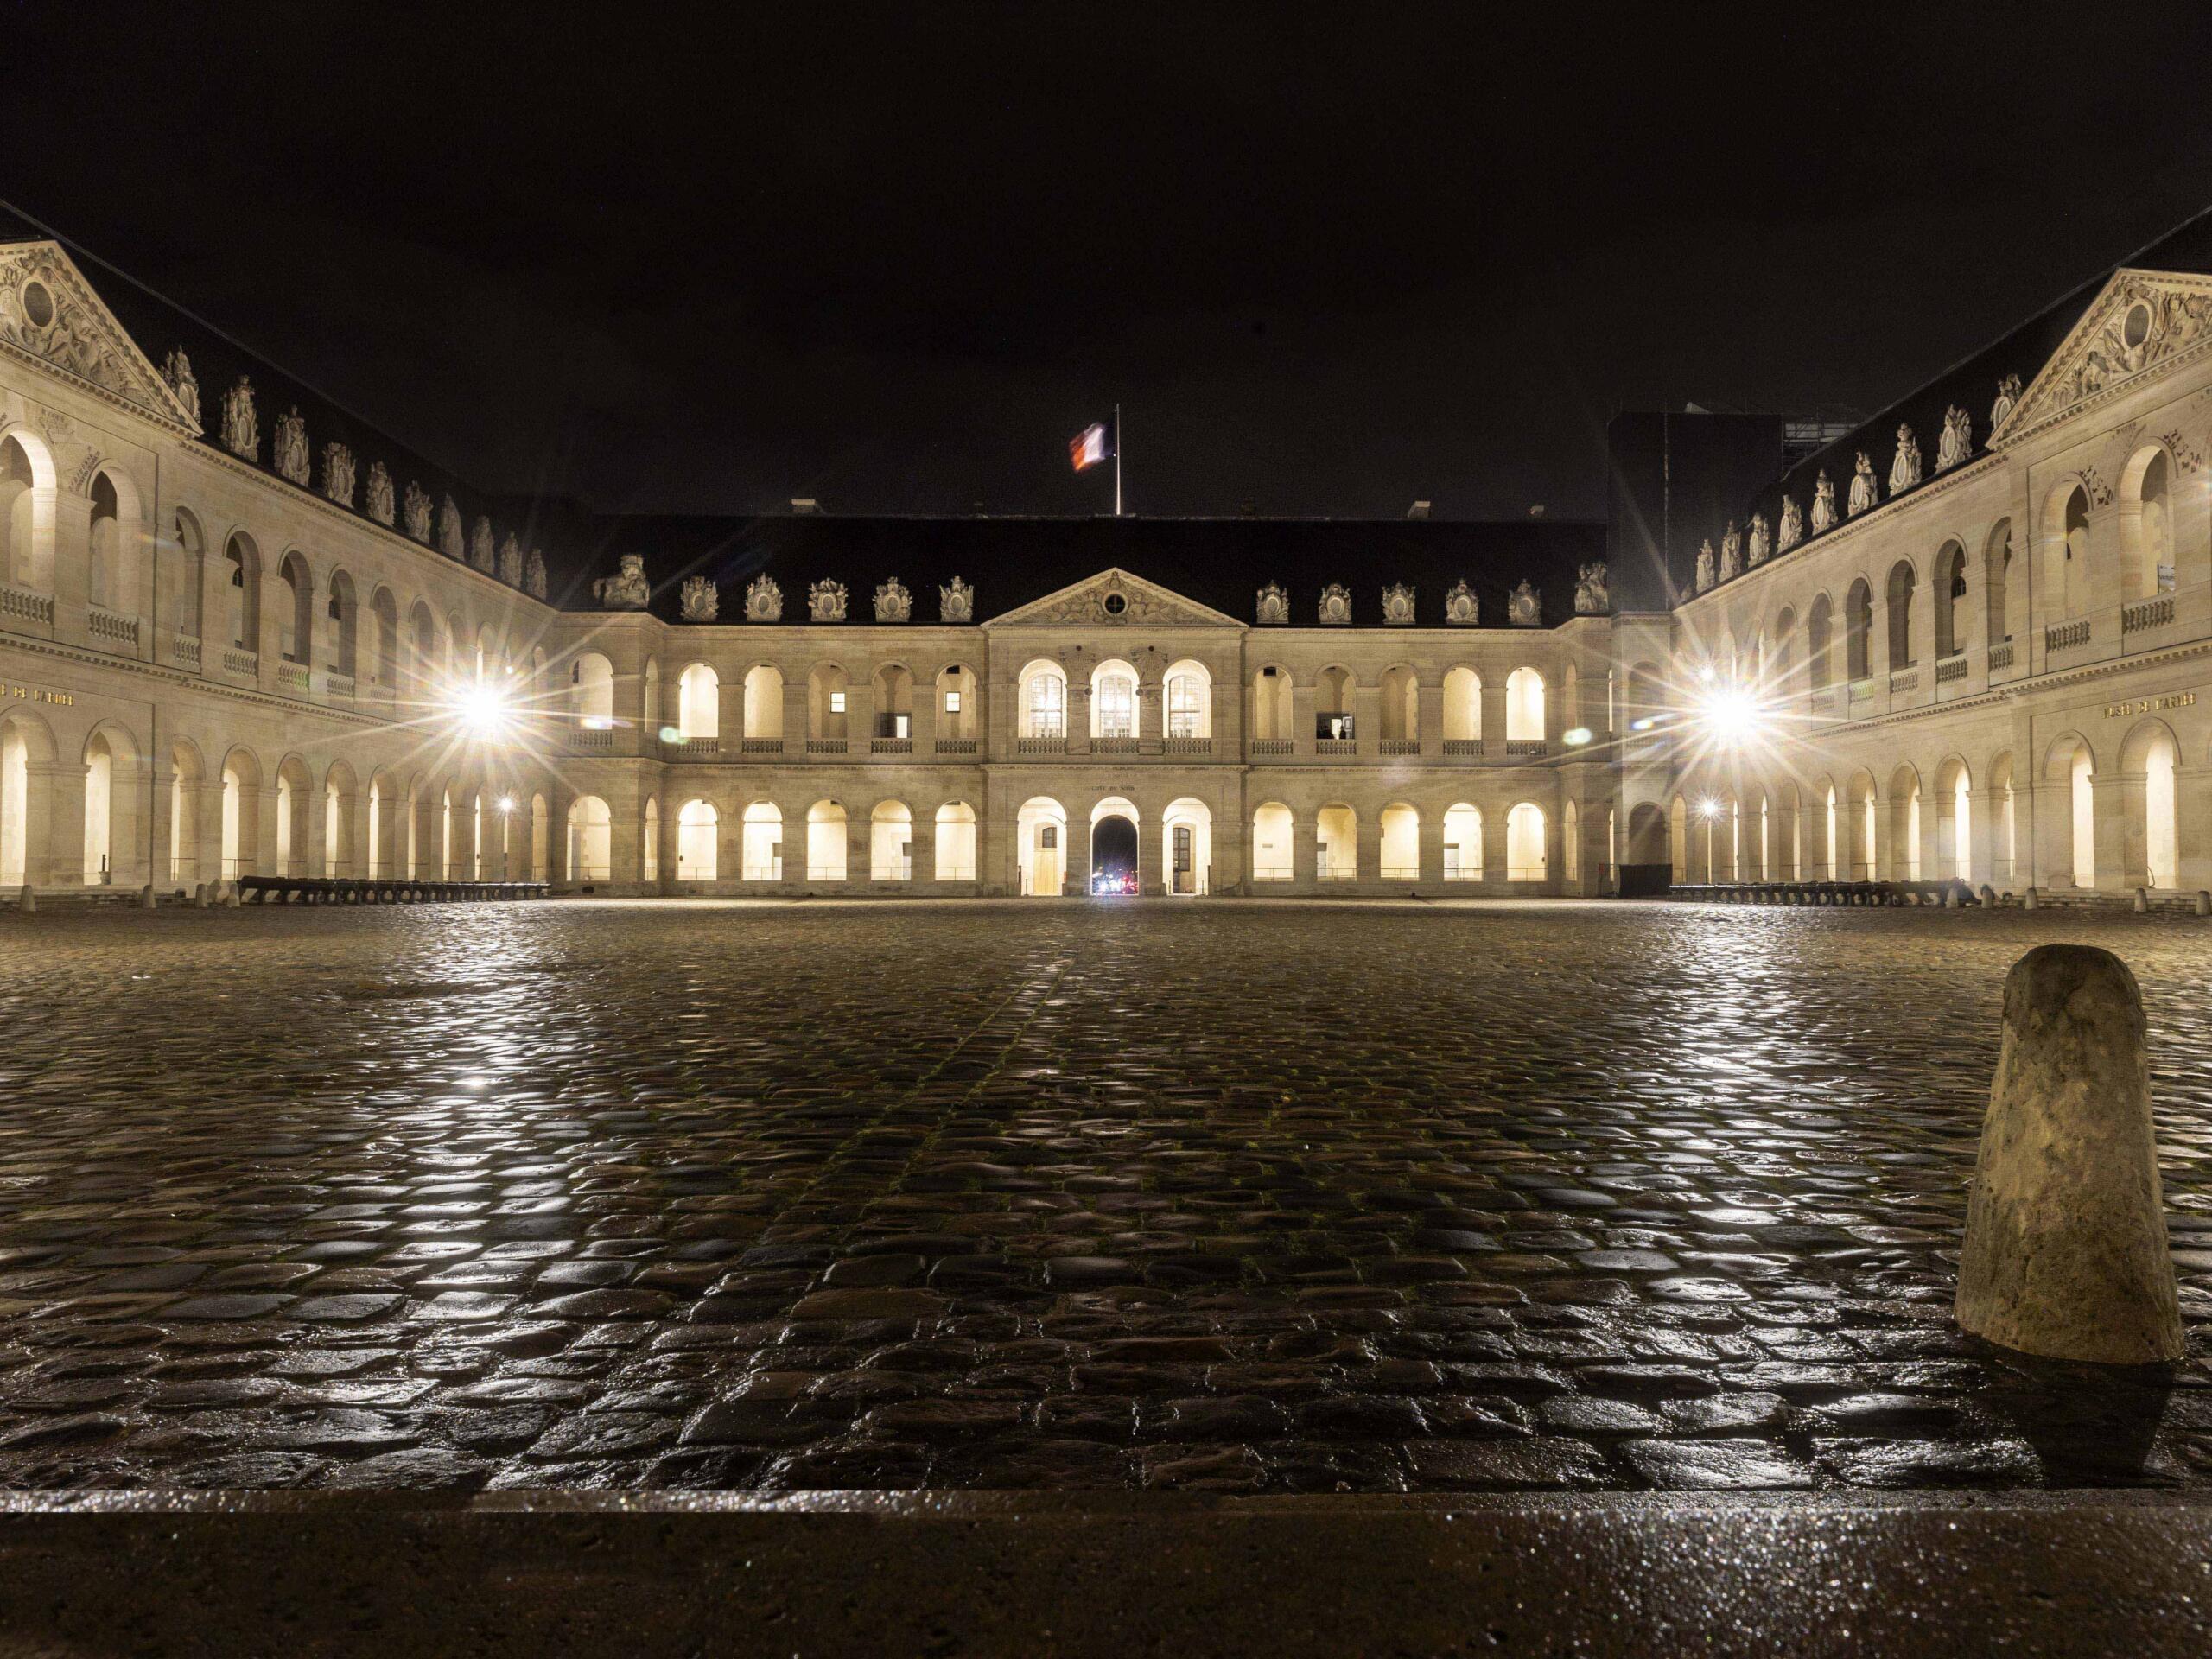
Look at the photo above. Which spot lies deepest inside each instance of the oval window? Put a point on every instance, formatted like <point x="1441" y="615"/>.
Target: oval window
<point x="2137" y="328"/>
<point x="38" y="304"/>
<point x="1116" y="603"/>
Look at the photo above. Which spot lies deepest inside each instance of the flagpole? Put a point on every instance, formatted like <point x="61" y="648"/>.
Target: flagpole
<point x="1117" y="461"/>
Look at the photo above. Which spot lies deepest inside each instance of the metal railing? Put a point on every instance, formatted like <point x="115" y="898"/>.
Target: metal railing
<point x="1401" y="872"/>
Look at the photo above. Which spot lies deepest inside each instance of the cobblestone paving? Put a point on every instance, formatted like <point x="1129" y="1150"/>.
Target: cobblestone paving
<point x="1224" y="1197"/>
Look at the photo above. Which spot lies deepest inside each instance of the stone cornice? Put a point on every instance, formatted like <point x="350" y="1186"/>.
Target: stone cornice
<point x="157" y="674"/>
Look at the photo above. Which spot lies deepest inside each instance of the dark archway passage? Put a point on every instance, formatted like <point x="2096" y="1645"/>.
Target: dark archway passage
<point x="1113" y="856"/>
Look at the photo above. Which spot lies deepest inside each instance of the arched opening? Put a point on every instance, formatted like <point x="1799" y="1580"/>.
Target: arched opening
<point x="1859" y="632"/>
<point x="2151" y="752"/>
<point x="1401" y="705"/>
<point x="1819" y="626"/>
<point x="591" y="840"/>
<point x="186" y="780"/>
<point x="383" y="668"/>
<point x="1114" y="847"/>
<point x="1040" y="844"/>
<point x="1189" y="697"/>
<point x="337" y="806"/>
<point x="1570" y="823"/>
<point x="1401" y="848"/>
<point x="1777" y="682"/>
<point x="2004" y="851"/>
<point x="2145" y="526"/>
<point x="340" y="617"/>
<point x="1271" y="705"/>
<point x="1863" y="812"/>
<point x="1727" y="829"/>
<point x="1463" y="843"/>
<point x="100" y="801"/>
<point x="104" y="575"/>
<point x="26" y="499"/>
<point x="2071" y="546"/>
<point x="27" y="756"/>
<point x="1525" y="855"/>
<point x="653" y="698"/>
<point x="243" y="591"/>
<point x="241" y="815"/>
<point x="1187" y="830"/>
<point x="1463" y="707"/>
<point x="761" y="855"/>
<point x="1647" y="840"/>
<point x="1997" y="578"/>
<point x="379" y="827"/>
<point x="1041" y="711"/>
<point x="179" y="569"/>
<point x="890" y="842"/>
<point x="825" y="842"/>
<point x="426" y="665"/>
<point x="697" y="828"/>
<point x="1524" y="707"/>
<point x="295" y="616"/>
<point x="1336" y="843"/>
<point x="894" y="704"/>
<point x="764" y="706"/>
<point x="1678" y="838"/>
<point x="652" y="846"/>
<point x="1953" y="821"/>
<point x="1950" y="599"/>
<point x="955" y="852"/>
<point x="699" y="704"/>
<point x="292" y="820"/>
<point x="1905" y="825"/>
<point x="591" y="691"/>
<point x="827" y="686"/>
<point x="1333" y="710"/>
<point x="1113" y="702"/>
<point x="1901" y="586"/>
<point x="1831" y="836"/>
<point x="1274" y="851"/>
<point x="957" y="714"/>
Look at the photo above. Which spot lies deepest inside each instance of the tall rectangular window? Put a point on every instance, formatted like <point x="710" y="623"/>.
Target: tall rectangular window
<point x="1117" y="707"/>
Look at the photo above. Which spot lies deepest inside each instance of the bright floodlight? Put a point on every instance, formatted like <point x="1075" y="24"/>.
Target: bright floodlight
<point x="482" y="708"/>
<point x="1710" y="809"/>
<point x="1577" y="738"/>
<point x="1730" y="715"/>
<point x="506" y="803"/>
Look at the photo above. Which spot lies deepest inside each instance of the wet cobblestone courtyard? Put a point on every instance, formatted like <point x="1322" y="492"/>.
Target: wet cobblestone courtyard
<point x="1233" y="1198"/>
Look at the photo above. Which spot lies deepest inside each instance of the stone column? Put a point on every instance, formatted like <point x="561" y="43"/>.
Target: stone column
<point x="1432" y="851"/>
<point x="1493" y="716"/>
<point x="2122" y="852"/>
<point x="921" y="847"/>
<point x="2193" y="838"/>
<point x="1987" y="806"/>
<point x="1431" y="728"/>
<point x="1076" y="860"/>
<point x="1301" y="719"/>
<point x="72" y="565"/>
<point x="1305" y="856"/>
<point x="731" y="713"/>
<point x="1152" y="716"/>
<point x="1151" y="860"/>
<point x="1369" y="852"/>
<point x="1078" y="717"/>
<point x="1367" y="721"/>
<point x="2049" y="833"/>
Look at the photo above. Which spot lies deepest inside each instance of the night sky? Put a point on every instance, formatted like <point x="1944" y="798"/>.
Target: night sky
<point x="1328" y="261"/>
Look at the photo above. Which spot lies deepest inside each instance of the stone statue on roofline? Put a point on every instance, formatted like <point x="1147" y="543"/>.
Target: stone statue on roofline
<point x="702" y="600"/>
<point x="1755" y="549"/>
<point x="290" y="452"/>
<point x="764" y="601"/>
<point x="893" y="602"/>
<point x="1793" y="526"/>
<point x="1904" y="468"/>
<point x="1461" y="608"/>
<point x="627" y="589"/>
<point x="955" y="602"/>
<point x="418" y="513"/>
<point x="1705" y="564"/>
<point x="2008" y="393"/>
<point x="1398" y="605"/>
<point x="1958" y="439"/>
<point x="338" y="473"/>
<point x="1524" y="606"/>
<point x="1732" y="552"/>
<point x="241" y="427"/>
<point x="1864" y="491"/>
<point x="379" y="504"/>
<point x="451" y="542"/>
<point x="482" y="553"/>
<point x="825" y="602"/>
<point x="1823" y="502"/>
<point x="1591" y="597"/>
<point x="178" y="372"/>
<point x="1273" y="609"/>
<point x="1336" y="604"/>
<point x="534" y="576"/>
<point x="511" y="561"/>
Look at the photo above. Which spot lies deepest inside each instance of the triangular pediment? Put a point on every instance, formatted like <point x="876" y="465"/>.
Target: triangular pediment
<point x="2141" y="322"/>
<point x="1090" y="603"/>
<point x="49" y="313"/>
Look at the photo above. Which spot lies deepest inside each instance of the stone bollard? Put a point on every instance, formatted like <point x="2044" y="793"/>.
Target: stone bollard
<point x="232" y="898"/>
<point x="2065" y="1252"/>
<point x="2204" y="902"/>
<point x="27" y="901"/>
<point x="199" y="900"/>
<point x="146" y="899"/>
<point x="2028" y="900"/>
<point x="2142" y="900"/>
<point x="1988" y="896"/>
<point x="1950" y="898"/>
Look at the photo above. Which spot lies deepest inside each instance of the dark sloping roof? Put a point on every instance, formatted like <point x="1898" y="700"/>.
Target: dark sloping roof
<point x="158" y="326"/>
<point x="1971" y="384"/>
<point x="1009" y="562"/>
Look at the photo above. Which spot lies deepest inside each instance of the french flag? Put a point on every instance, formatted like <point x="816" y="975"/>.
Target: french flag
<point x="1095" y="445"/>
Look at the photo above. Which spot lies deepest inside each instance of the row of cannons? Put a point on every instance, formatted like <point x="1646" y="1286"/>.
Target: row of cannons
<point x="342" y="890"/>
<point x="1947" y="895"/>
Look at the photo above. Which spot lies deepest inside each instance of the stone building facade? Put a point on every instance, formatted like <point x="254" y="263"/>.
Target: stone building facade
<point x="241" y="632"/>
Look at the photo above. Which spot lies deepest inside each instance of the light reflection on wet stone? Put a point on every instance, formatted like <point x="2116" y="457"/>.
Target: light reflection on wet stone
<point x="1228" y="1198"/>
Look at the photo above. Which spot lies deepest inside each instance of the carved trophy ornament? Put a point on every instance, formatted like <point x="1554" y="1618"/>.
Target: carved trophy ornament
<point x="1273" y="609"/>
<point x="1524" y="606"/>
<point x="1732" y="552"/>
<point x="1461" y="608"/>
<point x="1335" y="603"/>
<point x="825" y="602"/>
<point x="955" y="602"/>
<point x="893" y="602"/>
<point x="1755" y="545"/>
<point x="1398" y="605"/>
<point x="764" y="601"/>
<point x="289" y="454"/>
<point x="627" y="589"/>
<point x="379" y="492"/>
<point x="1705" y="564"/>
<point x="418" y="513"/>
<point x="1823" y="502"/>
<point x="511" y="561"/>
<point x="178" y="372"/>
<point x="481" y="546"/>
<point x="702" y="600"/>
<point x="1864" y="491"/>
<point x="2008" y="393"/>
<point x="1957" y="443"/>
<point x="338" y="473"/>
<point x="1904" y="468"/>
<point x="534" y="576"/>
<point x="241" y="427"/>
<point x="451" y="542"/>
<point x="1591" y="597"/>
<point x="1793" y="526"/>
